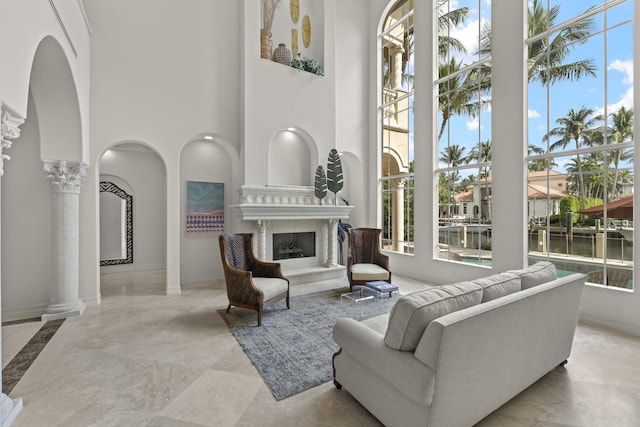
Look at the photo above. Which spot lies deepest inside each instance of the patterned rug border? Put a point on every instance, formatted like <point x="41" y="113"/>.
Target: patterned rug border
<point x="293" y="349"/>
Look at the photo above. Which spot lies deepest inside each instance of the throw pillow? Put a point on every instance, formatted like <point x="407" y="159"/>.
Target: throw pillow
<point x="536" y="274"/>
<point x="498" y="285"/>
<point x="412" y="313"/>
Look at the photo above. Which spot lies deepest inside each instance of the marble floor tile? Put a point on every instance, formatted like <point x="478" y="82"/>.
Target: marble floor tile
<point x="145" y="359"/>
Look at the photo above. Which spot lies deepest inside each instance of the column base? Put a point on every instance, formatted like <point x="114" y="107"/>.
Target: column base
<point x="9" y="409"/>
<point x="64" y="310"/>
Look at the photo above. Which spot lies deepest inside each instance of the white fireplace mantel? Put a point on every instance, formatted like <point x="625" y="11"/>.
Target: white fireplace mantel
<point x="267" y="203"/>
<point x="286" y="203"/>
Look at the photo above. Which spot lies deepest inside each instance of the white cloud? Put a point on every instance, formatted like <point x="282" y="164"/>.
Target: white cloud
<point x="533" y="114"/>
<point x="625" y="67"/>
<point x="473" y="124"/>
<point x="468" y="36"/>
<point x="626" y="99"/>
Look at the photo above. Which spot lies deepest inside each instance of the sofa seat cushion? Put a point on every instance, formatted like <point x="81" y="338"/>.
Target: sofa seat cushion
<point x="270" y="286"/>
<point x="536" y="274"/>
<point x="368" y="272"/>
<point x="412" y="313"/>
<point x="498" y="285"/>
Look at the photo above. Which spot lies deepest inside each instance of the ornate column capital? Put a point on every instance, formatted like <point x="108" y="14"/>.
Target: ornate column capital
<point x="65" y="176"/>
<point x="9" y="129"/>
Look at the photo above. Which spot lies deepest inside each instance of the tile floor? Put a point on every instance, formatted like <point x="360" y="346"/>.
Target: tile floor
<point x="145" y="359"/>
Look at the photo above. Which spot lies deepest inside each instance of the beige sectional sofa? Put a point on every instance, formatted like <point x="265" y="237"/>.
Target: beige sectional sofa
<point x="451" y="355"/>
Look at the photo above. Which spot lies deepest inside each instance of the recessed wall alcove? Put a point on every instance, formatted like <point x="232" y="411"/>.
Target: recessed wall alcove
<point x="293" y="157"/>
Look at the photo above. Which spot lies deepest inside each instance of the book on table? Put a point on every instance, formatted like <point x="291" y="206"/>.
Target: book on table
<point x="382" y="286"/>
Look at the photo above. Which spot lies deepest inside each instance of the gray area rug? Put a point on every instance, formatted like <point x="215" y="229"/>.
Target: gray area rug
<point x="292" y="350"/>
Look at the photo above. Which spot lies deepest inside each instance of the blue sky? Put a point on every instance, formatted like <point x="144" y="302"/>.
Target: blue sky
<point x="617" y="66"/>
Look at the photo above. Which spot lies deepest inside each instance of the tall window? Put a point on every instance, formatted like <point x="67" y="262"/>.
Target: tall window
<point x="463" y="135"/>
<point x="396" y="119"/>
<point x="581" y="146"/>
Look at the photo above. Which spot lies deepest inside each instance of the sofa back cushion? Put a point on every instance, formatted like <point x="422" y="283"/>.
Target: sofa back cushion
<point x="412" y="313"/>
<point x="498" y="285"/>
<point x="536" y="274"/>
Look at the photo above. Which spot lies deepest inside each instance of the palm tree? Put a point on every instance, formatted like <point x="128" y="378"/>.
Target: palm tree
<point x="576" y="127"/>
<point x="547" y="55"/>
<point x="448" y="20"/>
<point x="458" y="95"/>
<point x="621" y="131"/>
<point x="482" y="154"/>
<point x="453" y="155"/>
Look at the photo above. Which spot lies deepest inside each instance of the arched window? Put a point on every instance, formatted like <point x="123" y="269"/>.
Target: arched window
<point x="395" y="112"/>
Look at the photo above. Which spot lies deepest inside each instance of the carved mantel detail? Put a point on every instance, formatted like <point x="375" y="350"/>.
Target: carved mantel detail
<point x="9" y="129"/>
<point x="64" y="175"/>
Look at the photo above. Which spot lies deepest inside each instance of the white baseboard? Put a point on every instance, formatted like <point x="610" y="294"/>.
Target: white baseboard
<point x="612" y="324"/>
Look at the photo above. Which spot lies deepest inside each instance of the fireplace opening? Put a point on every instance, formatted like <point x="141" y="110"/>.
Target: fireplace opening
<point x="294" y="245"/>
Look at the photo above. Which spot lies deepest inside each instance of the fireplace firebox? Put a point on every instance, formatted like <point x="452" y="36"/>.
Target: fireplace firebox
<point x="294" y="245"/>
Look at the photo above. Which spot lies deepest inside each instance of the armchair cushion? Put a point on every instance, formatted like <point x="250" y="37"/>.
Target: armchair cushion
<point x="270" y="286"/>
<point x="368" y="272"/>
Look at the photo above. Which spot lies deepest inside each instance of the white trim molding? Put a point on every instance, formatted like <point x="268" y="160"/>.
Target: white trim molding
<point x="9" y="129"/>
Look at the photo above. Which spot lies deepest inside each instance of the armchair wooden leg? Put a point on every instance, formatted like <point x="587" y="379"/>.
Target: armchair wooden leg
<point x="259" y="317"/>
<point x="228" y="308"/>
<point x="288" y="305"/>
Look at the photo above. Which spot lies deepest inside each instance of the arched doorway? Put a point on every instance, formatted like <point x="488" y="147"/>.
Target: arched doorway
<point x="140" y="172"/>
<point x="40" y="196"/>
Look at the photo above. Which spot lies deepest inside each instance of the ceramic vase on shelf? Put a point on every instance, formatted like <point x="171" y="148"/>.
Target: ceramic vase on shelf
<point x="282" y="55"/>
<point x="265" y="44"/>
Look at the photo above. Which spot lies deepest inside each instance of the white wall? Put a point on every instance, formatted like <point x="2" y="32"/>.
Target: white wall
<point x="165" y="71"/>
<point x="144" y="171"/>
<point x="278" y="97"/>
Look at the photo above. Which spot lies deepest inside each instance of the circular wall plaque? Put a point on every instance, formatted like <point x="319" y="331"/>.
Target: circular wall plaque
<point x="306" y="31"/>
<point x="294" y="7"/>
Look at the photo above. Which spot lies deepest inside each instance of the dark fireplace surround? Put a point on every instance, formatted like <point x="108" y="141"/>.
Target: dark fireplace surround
<point x="294" y="245"/>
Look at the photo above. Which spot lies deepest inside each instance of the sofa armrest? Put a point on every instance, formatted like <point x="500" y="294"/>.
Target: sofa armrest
<point x="398" y="368"/>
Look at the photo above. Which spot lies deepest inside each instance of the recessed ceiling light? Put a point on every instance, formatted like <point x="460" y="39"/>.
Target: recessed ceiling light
<point x="208" y="137"/>
<point x="291" y="129"/>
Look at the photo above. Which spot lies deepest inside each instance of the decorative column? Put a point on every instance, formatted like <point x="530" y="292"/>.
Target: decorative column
<point x="396" y="67"/>
<point x="65" y="181"/>
<point x="263" y="225"/>
<point x="9" y="129"/>
<point x="397" y="201"/>
<point x="332" y="241"/>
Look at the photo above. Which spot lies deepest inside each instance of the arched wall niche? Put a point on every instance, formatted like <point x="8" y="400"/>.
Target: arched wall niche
<point x="54" y="91"/>
<point x="206" y="158"/>
<point x="293" y="158"/>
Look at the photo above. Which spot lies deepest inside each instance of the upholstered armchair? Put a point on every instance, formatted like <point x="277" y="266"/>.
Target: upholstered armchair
<point x="251" y="283"/>
<point x="366" y="262"/>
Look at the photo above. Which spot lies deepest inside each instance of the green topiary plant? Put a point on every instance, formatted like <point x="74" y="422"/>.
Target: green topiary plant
<point x="307" y="64"/>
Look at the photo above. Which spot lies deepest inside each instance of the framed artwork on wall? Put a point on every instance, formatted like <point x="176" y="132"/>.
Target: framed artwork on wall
<point x="205" y="209"/>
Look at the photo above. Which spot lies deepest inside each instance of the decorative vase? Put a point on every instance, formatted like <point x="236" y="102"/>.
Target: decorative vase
<point x="265" y="43"/>
<point x="282" y="55"/>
